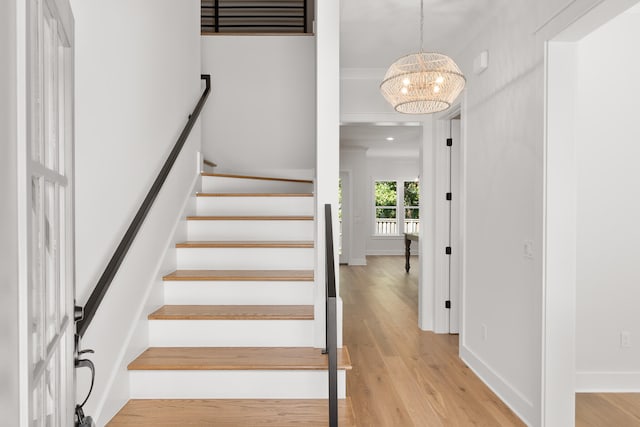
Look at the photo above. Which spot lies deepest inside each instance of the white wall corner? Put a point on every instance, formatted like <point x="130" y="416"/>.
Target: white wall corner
<point x="515" y="400"/>
<point x="426" y="281"/>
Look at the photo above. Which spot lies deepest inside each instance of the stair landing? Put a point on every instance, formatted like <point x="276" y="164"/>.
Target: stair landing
<point x="230" y="413"/>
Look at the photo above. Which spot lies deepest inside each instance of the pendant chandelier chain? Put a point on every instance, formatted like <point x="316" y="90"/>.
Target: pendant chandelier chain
<point x="421" y="25"/>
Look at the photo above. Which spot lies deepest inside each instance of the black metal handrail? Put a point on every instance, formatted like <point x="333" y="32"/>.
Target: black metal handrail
<point x="225" y="16"/>
<point x="331" y="319"/>
<point x="85" y="314"/>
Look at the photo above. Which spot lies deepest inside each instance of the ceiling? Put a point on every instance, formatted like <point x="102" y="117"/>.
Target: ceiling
<point x="372" y="137"/>
<point x="374" y="33"/>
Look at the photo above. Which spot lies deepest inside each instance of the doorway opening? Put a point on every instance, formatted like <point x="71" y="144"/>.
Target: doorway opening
<point x="590" y="256"/>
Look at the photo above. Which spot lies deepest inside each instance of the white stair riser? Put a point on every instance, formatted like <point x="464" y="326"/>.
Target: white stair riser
<point x="250" y="230"/>
<point x="216" y="184"/>
<point x="239" y="293"/>
<point x="231" y="333"/>
<point x="270" y="384"/>
<point x="245" y="258"/>
<point x="255" y="205"/>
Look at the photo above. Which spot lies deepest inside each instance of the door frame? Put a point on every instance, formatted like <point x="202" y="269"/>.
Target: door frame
<point x="61" y="12"/>
<point x="559" y="210"/>
<point x="440" y="176"/>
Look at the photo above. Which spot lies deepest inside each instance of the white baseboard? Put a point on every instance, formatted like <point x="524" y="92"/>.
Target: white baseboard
<point x="111" y="401"/>
<point x="518" y="403"/>
<point x="358" y="261"/>
<point x="608" y="382"/>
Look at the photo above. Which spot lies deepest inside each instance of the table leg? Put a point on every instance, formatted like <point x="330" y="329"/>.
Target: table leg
<point x="407" y="253"/>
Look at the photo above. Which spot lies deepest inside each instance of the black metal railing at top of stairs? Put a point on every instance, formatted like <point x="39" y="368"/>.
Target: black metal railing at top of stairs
<point x="331" y="319"/>
<point x="84" y="315"/>
<point x="251" y="16"/>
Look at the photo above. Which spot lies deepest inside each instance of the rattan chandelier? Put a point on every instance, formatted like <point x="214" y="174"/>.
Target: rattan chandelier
<point x="423" y="82"/>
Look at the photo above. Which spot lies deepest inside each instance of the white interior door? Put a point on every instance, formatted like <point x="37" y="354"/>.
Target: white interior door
<point x="455" y="272"/>
<point x="47" y="232"/>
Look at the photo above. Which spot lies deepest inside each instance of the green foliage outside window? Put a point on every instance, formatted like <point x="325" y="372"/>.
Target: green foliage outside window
<point x="411" y="198"/>
<point x="386" y="196"/>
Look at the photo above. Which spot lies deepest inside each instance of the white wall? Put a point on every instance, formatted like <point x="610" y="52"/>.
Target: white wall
<point x="608" y="208"/>
<point x="503" y="146"/>
<point x="137" y="80"/>
<point x="9" y="391"/>
<point x="355" y="162"/>
<point x="261" y="117"/>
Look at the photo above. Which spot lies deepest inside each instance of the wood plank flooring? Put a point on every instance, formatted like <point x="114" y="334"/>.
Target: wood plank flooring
<point x="233" y="312"/>
<point x="236" y="358"/>
<point x="230" y="413"/>
<point x="245" y="244"/>
<point x="241" y="275"/>
<point x="403" y="376"/>
<point x="607" y="409"/>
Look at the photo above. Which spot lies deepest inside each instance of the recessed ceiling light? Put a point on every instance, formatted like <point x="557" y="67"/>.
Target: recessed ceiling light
<point x="390" y="138"/>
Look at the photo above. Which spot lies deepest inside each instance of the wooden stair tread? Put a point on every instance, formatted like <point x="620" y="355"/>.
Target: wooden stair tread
<point x="261" y="178"/>
<point x="245" y="244"/>
<point x="251" y="218"/>
<point x="241" y="275"/>
<point x="254" y="194"/>
<point x="236" y="358"/>
<point x="231" y="413"/>
<point x="233" y="312"/>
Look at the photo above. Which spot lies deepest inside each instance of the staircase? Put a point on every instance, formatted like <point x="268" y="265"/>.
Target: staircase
<point x="233" y="346"/>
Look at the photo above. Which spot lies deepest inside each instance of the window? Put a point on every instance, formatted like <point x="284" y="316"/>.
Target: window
<point x="411" y="206"/>
<point x="396" y="207"/>
<point x="386" y="195"/>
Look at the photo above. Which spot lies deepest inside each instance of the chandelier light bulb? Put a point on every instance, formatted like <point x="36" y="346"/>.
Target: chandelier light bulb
<point x="436" y="89"/>
<point x="404" y="90"/>
<point x="440" y="80"/>
<point x="406" y="82"/>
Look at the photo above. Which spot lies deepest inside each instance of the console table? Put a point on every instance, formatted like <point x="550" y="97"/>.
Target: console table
<point x="408" y="237"/>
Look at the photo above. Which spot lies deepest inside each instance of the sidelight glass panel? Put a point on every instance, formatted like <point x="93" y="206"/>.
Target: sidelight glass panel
<point x="52" y="260"/>
<point x="37" y="405"/>
<point x="37" y="272"/>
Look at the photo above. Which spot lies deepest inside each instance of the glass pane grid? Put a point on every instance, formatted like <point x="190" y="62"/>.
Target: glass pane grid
<point x="50" y="293"/>
<point x="37" y="272"/>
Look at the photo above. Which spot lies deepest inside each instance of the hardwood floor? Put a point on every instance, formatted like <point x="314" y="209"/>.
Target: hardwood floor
<point x="403" y="376"/>
<point x="607" y="409"/>
<point x="229" y="413"/>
